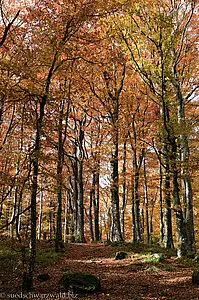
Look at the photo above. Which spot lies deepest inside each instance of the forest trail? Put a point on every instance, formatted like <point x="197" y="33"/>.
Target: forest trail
<point x="130" y="279"/>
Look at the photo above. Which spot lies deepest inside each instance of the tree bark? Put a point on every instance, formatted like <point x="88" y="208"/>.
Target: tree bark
<point x="60" y="158"/>
<point x="133" y="211"/>
<point x="92" y="191"/>
<point x="80" y="205"/>
<point x="168" y="232"/>
<point x="28" y="276"/>
<point x="146" y="203"/>
<point x="74" y="194"/>
<point x="96" y="207"/>
<point x="187" y="193"/>
<point x="40" y="215"/>
<point x="123" y="192"/>
<point x="161" y="206"/>
<point x="116" y="234"/>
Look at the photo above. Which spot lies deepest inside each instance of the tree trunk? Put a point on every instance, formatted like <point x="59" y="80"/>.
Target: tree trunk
<point x="133" y="212"/>
<point x="161" y="206"/>
<point x="27" y="284"/>
<point x="74" y="196"/>
<point x="65" y="223"/>
<point x="136" y="202"/>
<point x="13" y="213"/>
<point x="91" y="212"/>
<point x="40" y="215"/>
<point x="137" y="163"/>
<point x="180" y="230"/>
<point x="186" y="181"/>
<point x="116" y="234"/>
<point x="113" y="110"/>
<point x="60" y="158"/>
<point x="166" y="139"/>
<point x="18" y="219"/>
<point x="151" y="224"/>
<point x="80" y="205"/>
<point x="146" y="204"/>
<point x="168" y="234"/>
<point x="96" y="207"/>
<point x="123" y="192"/>
<point x="181" y="226"/>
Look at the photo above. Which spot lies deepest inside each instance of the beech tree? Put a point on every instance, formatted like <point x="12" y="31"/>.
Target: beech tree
<point x="164" y="48"/>
<point x="54" y="32"/>
<point x="112" y="89"/>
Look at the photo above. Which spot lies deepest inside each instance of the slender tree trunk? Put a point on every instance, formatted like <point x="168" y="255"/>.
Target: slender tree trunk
<point x="180" y="228"/>
<point x="92" y="196"/>
<point x="123" y="192"/>
<point x="80" y="220"/>
<point x="13" y="213"/>
<point x="151" y="224"/>
<point x="50" y="214"/>
<point x="91" y="212"/>
<point x="142" y="221"/>
<point x="40" y="215"/>
<point x="58" y="237"/>
<point x="116" y="234"/>
<point x="168" y="232"/>
<point x="146" y="203"/>
<point x="94" y="207"/>
<point x="96" y="200"/>
<point x="18" y="219"/>
<point x="74" y="196"/>
<point x="133" y="212"/>
<point x="28" y="276"/>
<point x="136" y="202"/>
<point x="69" y="213"/>
<point x="137" y="162"/>
<point x="62" y="133"/>
<point x="66" y="227"/>
<point x="161" y="206"/>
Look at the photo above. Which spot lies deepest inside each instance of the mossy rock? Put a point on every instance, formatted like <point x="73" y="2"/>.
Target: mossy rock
<point x="121" y="255"/>
<point x="155" y="258"/>
<point x="80" y="283"/>
<point x="195" y="277"/>
<point x="43" y="277"/>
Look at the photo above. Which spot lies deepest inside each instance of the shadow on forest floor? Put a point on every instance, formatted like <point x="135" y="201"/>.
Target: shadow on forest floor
<point x="147" y="272"/>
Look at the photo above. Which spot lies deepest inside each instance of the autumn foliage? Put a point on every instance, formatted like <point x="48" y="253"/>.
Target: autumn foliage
<point x="99" y="121"/>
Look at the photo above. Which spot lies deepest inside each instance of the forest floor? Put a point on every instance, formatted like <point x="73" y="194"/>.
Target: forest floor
<point x="142" y="275"/>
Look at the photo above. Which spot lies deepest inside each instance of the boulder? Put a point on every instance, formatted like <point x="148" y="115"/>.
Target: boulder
<point x="80" y="283"/>
<point x="121" y="255"/>
<point x="195" y="277"/>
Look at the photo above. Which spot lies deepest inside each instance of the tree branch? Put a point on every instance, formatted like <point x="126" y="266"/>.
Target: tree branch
<point x="7" y="27"/>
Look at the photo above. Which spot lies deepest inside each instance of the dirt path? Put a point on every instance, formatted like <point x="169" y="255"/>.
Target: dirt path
<point x="128" y="279"/>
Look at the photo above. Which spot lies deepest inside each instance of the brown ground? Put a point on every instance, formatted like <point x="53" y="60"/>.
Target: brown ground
<point x="127" y="279"/>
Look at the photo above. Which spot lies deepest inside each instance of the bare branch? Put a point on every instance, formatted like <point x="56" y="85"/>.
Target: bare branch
<point x="7" y="27"/>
